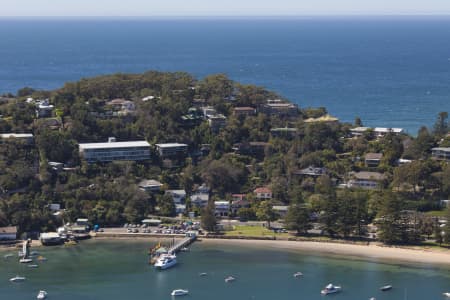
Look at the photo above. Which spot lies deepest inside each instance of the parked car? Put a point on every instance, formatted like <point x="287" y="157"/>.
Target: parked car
<point x="129" y="230"/>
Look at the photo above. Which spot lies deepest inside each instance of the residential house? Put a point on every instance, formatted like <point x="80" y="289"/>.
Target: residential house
<point x="222" y="208"/>
<point x="445" y="203"/>
<point x="263" y="193"/>
<point x="279" y="108"/>
<point x="171" y="150"/>
<point x="366" y="180"/>
<point x="208" y="111"/>
<point x="112" y="151"/>
<point x="199" y="199"/>
<point x="280" y="210"/>
<point x="441" y="153"/>
<point x="180" y="208"/>
<point x="27" y="138"/>
<point x="359" y="131"/>
<point x="284" y="132"/>
<point x="244" y="111"/>
<point x="238" y="197"/>
<point x="217" y="122"/>
<point x="44" y="109"/>
<point x="382" y="131"/>
<point x="311" y="172"/>
<point x="372" y="160"/>
<point x="252" y="148"/>
<point x="122" y="106"/>
<point x="8" y="233"/>
<point x="178" y="196"/>
<point x="150" y="185"/>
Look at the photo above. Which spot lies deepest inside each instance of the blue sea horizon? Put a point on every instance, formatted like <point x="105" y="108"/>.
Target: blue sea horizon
<point x="391" y="71"/>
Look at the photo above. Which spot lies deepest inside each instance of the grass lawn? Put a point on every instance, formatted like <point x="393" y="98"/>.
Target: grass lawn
<point x="259" y="231"/>
<point x="436" y="213"/>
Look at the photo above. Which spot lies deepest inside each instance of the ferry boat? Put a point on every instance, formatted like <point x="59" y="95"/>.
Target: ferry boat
<point x="42" y="295"/>
<point x="331" y="289"/>
<point x="17" y="278"/>
<point x="165" y="261"/>
<point x="179" y="292"/>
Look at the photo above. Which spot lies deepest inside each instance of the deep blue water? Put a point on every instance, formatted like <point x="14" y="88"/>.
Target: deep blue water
<point x="392" y="72"/>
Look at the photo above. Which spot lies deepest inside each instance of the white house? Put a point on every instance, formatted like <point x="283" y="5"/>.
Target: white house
<point x="178" y="196"/>
<point x="112" y="150"/>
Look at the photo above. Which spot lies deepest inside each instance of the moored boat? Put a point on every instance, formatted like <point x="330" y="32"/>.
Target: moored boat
<point x="179" y="292"/>
<point x="331" y="289"/>
<point x="6" y="256"/>
<point x="298" y="274"/>
<point x="230" y="279"/>
<point x="165" y="261"/>
<point x="42" y="295"/>
<point x="25" y="260"/>
<point x="17" y="278"/>
<point x="202" y="274"/>
<point x="386" y="288"/>
<point x="33" y="266"/>
<point x="446" y="294"/>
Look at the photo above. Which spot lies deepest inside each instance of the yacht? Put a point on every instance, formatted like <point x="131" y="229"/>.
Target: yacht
<point x="25" y="260"/>
<point x="179" y="292"/>
<point x="17" y="279"/>
<point x="42" y="295"/>
<point x="166" y="261"/>
<point x="230" y="279"/>
<point x="446" y="294"/>
<point x="386" y="288"/>
<point x="298" y="274"/>
<point x="331" y="289"/>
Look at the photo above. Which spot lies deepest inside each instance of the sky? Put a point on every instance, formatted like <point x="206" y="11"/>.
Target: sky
<point x="41" y="8"/>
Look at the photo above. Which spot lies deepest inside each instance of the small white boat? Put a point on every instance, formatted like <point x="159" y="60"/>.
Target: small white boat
<point x="202" y="274"/>
<point x="33" y="266"/>
<point x="373" y="298"/>
<point x="331" y="289"/>
<point x="17" y="278"/>
<point x="298" y="274"/>
<point x="386" y="288"/>
<point x="446" y="294"/>
<point x="25" y="260"/>
<point x="230" y="279"/>
<point x="6" y="256"/>
<point x="42" y="295"/>
<point x="179" y="292"/>
<point x="184" y="249"/>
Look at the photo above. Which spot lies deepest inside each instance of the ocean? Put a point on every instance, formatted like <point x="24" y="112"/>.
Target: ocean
<point x="109" y="270"/>
<point x="390" y="71"/>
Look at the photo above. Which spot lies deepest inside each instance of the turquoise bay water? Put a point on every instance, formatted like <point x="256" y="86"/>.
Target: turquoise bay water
<point x="118" y="270"/>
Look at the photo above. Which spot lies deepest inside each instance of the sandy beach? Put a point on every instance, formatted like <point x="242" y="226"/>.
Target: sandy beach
<point x="364" y="252"/>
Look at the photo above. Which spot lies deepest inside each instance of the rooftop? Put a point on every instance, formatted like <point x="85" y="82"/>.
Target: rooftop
<point x="16" y="135"/>
<point x="112" y="145"/>
<point x="170" y="145"/>
<point x="374" y="156"/>
<point x="262" y="190"/>
<point x="8" y="230"/>
<point x="369" y="175"/>
<point x="445" y="149"/>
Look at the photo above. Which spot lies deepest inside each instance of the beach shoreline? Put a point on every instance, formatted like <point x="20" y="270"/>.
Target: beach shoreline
<point x="373" y="252"/>
<point x="368" y="252"/>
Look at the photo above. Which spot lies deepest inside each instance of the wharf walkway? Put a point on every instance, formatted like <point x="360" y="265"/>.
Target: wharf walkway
<point x="189" y="239"/>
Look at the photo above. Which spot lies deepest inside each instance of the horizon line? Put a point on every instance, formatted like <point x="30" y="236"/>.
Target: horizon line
<point x="320" y="15"/>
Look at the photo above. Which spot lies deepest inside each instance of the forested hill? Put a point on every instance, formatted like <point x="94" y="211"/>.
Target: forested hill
<point x="239" y="138"/>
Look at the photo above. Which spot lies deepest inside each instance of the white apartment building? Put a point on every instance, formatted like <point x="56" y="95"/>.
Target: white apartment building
<point x="112" y="150"/>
